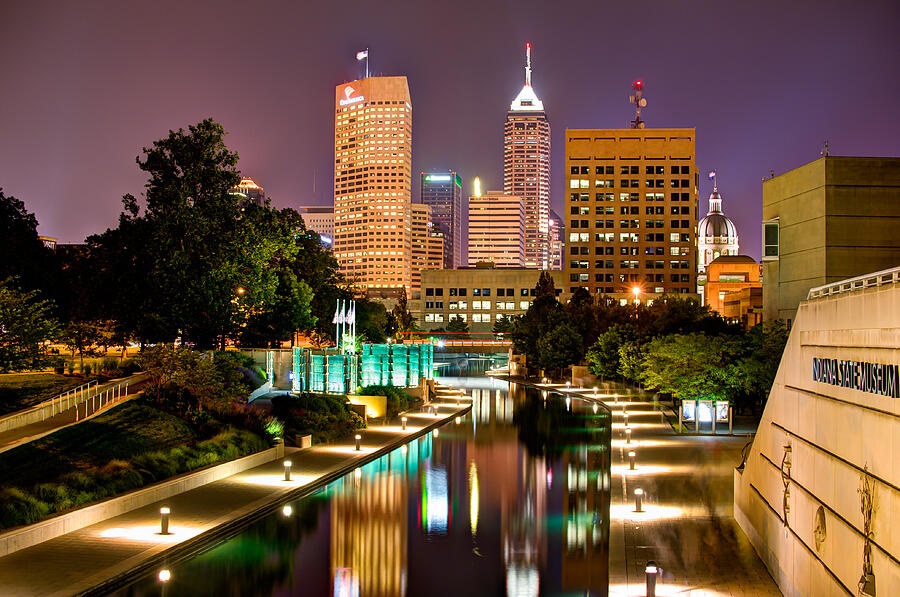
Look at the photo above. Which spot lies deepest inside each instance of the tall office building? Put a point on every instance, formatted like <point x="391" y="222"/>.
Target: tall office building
<point x="556" y="232"/>
<point x="373" y="183"/>
<point x="828" y="220"/>
<point x="632" y="207"/>
<point x="427" y="244"/>
<point x="497" y="229"/>
<point x="444" y="193"/>
<point x="248" y="190"/>
<point x="526" y="166"/>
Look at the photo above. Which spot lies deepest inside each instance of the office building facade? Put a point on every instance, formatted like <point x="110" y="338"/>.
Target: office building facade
<point x="373" y="183"/>
<point x="631" y="200"/>
<point x="427" y="244"/>
<point x="319" y="219"/>
<point x="828" y="220"/>
<point x="526" y="167"/>
<point x="497" y="229"/>
<point x="556" y="238"/>
<point x="443" y="192"/>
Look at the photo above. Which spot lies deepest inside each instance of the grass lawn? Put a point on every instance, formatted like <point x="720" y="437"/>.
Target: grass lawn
<point x="21" y="390"/>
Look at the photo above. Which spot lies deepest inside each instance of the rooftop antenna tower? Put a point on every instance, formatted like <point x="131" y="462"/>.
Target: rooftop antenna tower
<point x="639" y="102"/>
<point x="528" y="63"/>
<point x="825" y="151"/>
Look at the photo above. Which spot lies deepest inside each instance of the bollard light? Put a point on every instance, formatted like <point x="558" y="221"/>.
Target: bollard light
<point x="568" y="384"/>
<point x="287" y="470"/>
<point x="628" y="436"/>
<point x="403" y="423"/>
<point x="615" y="397"/>
<point x="595" y="389"/>
<point x="287" y="510"/>
<point x="164" y="575"/>
<point x="638" y="499"/>
<point x="435" y="433"/>
<point x="403" y="449"/>
<point x="458" y="420"/>
<point x="358" y="439"/>
<point x="651" y="571"/>
<point x="631" y="456"/>
<point x="164" y="520"/>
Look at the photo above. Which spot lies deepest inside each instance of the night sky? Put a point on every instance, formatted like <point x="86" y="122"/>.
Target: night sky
<point x="87" y="84"/>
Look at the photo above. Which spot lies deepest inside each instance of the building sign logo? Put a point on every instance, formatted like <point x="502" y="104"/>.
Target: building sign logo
<point x="348" y="91"/>
<point x="875" y="378"/>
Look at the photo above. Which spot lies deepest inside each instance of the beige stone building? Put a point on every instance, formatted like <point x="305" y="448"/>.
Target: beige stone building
<point x="477" y="295"/>
<point x="831" y="427"/>
<point x="497" y="229"/>
<point x="427" y="244"/>
<point x="828" y="220"/>
<point x="373" y="183"/>
<point x="319" y="219"/>
<point x="631" y="204"/>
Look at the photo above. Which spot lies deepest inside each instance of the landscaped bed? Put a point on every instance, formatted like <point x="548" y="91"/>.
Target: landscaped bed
<point x="133" y="445"/>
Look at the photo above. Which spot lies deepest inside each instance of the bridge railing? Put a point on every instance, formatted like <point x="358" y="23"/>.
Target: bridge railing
<point x="887" y="276"/>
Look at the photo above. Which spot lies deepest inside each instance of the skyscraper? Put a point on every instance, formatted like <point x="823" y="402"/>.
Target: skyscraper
<point x="526" y="166"/>
<point x="497" y="229"/>
<point x="427" y="243"/>
<point x="632" y="209"/>
<point x="443" y="192"/>
<point x="248" y="190"/>
<point x="373" y="183"/>
<point x="556" y="237"/>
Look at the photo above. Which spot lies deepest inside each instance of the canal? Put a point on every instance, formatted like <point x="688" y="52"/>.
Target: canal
<point x="511" y="500"/>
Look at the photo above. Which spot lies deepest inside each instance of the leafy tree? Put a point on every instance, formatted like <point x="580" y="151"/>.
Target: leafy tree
<point x="583" y="314"/>
<point x="458" y="327"/>
<point x="81" y="337"/>
<point x="26" y="324"/>
<point x="504" y="324"/>
<point x="559" y="347"/>
<point x="25" y="257"/>
<point x="750" y="376"/>
<point x="603" y="356"/>
<point x="373" y="321"/>
<point x="404" y="319"/>
<point x="689" y="366"/>
<point x="631" y="356"/>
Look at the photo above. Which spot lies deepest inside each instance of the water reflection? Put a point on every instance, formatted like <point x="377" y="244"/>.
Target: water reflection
<point x="514" y="500"/>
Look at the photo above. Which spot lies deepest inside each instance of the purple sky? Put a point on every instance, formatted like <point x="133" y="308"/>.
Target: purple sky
<point x="87" y="84"/>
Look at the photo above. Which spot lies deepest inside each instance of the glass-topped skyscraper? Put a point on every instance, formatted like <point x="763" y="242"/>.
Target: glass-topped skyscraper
<point x="526" y="167"/>
<point x="444" y="193"/>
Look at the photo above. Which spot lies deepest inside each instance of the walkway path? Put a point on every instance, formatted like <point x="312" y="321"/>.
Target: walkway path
<point x="687" y="526"/>
<point x="99" y="403"/>
<point x="83" y="559"/>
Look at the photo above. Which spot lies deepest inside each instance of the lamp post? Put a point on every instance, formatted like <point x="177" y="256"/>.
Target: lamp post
<point x="651" y="570"/>
<point x="403" y="423"/>
<point x="637" y="293"/>
<point x="287" y="470"/>
<point x="164" y="520"/>
<point x="631" y="456"/>
<point x="358" y="438"/>
<point x="638" y="499"/>
<point x="628" y="436"/>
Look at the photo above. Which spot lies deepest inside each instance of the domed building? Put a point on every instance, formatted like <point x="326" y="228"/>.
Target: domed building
<point x="716" y="234"/>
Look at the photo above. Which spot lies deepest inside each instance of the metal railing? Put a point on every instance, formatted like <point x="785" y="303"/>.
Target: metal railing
<point x="886" y="276"/>
<point x="90" y="395"/>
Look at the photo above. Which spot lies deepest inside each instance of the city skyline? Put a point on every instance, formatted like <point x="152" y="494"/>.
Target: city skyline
<point x="73" y="125"/>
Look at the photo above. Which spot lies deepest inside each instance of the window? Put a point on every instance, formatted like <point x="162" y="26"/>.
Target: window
<point x="453" y="292"/>
<point x="438" y="292"/>
<point x="463" y="305"/>
<point x="462" y="292"/>
<point x="524" y="292"/>
<point x="523" y="305"/>
<point x="452" y="305"/>
<point x="485" y="292"/>
<point x="476" y="292"/>
<point x="770" y="240"/>
<point x="429" y="292"/>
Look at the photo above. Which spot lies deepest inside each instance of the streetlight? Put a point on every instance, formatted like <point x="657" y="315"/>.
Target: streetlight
<point x="637" y="292"/>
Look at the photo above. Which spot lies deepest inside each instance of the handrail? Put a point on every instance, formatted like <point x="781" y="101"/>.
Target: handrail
<point x="880" y="278"/>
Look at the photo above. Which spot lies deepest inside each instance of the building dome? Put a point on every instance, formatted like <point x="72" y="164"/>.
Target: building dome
<point x="716" y="233"/>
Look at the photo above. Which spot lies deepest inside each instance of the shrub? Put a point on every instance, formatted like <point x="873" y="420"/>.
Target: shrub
<point x="86" y="370"/>
<point x="108" y="364"/>
<point x="18" y="507"/>
<point x="129" y="366"/>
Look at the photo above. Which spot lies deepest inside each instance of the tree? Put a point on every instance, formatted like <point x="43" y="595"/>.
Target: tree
<point x="581" y="312"/>
<point x="458" y="327"/>
<point x="603" y="356"/>
<point x="559" y="347"/>
<point x="504" y="324"/>
<point x="750" y="376"/>
<point x="81" y="337"/>
<point x="404" y="319"/>
<point x="631" y="356"/>
<point x="206" y="259"/>
<point x="26" y="259"/>
<point x="545" y="286"/>
<point x="26" y="324"/>
<point x="689" y="366"/>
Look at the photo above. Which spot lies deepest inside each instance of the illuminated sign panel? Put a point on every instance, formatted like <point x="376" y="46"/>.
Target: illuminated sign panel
<point x="437" y="178"/>
<point x="348" y="92"/>
<point x="874" y="378"/>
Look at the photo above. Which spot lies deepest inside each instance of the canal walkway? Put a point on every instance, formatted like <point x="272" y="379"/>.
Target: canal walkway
<point x="687" y="525"/>
<point x="91" y="557"/>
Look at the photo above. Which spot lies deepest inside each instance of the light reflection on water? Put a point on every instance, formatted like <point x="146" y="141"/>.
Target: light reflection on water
<point x="514" y="500"/>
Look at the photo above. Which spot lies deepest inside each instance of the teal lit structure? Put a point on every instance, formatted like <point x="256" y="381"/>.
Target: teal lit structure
<point x="328" y="371"/>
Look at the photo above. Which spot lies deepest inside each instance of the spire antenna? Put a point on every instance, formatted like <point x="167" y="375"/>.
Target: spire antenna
<point x="637" y="98"/>
<point x="528" y="63"/>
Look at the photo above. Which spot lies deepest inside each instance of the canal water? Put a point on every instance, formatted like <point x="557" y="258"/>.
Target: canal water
<point x="512" y="500"/>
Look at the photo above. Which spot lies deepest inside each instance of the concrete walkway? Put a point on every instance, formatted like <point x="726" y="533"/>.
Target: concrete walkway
<point x="83" y="559"/>
<point x="687" y="524"/>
